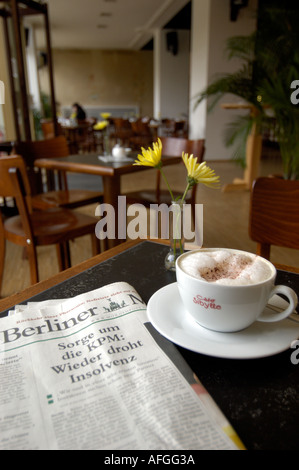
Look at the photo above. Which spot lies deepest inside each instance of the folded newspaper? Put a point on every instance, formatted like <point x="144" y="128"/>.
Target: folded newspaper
<point x="87" y="373"/>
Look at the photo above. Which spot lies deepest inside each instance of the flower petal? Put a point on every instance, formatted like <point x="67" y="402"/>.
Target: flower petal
<point x="199" y="172"/>
<point x="151" y="156"/>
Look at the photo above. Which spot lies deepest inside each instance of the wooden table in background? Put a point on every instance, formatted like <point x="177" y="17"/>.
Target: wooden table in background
<point x="110" y="171"/>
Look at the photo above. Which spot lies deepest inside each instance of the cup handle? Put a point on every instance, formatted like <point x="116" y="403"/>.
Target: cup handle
<point x="293" y="300"/>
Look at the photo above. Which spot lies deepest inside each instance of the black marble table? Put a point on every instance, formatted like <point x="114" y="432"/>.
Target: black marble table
<point x="260" y="397"/>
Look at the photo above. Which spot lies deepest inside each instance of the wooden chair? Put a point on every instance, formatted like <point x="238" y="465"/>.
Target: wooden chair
<point x="274" y="215"/>
<point x="30" y="229"/>
<point x="62" y="197"/>
<point x="181" y="129"/>
<point x="47" y="126"/>
<point x="174" y="128"/>
<point x="6" y="147"/>
<point x="142" y="134"/>
<point x="168" y="127"/>
<point x="171" y="146"/>
<point x="84" y="136"/>
<point x="122" y="131"/>
<point x="48" y="130"/>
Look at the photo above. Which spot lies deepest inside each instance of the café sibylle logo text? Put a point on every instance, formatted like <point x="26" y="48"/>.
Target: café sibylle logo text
<point x="2" y="92"/>
<point x="295" y="94"/>
<point x="206" y="302"/>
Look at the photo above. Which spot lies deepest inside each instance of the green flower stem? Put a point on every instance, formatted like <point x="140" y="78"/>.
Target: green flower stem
<point x="189" y="185"/>
<point x="186" y="190"/>
<point x="167" y="184"/>
<point x="178" y="230"/>
<point x="181" y="203"/>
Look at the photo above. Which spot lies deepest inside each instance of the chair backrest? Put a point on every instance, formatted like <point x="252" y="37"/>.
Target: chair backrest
<point x="168" y="126"/>
<point x="180" y="128"/>
<point x="121" y="123"/>
<point x="122" y="128"/>
<point x="274" y="214"/>
<point x="6" y="148"/>
<point x="141" y="127"/>
<point x="7" y="188"/>
<point x="174" y="146"/>
<point x="48" y="148"/>
<point x="14" y="183"/>
<point x="48" y="129"/>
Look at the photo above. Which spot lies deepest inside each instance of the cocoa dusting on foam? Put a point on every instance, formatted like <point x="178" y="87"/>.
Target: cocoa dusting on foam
<point x="223" y="267"/>
<point x="228" y="269"/>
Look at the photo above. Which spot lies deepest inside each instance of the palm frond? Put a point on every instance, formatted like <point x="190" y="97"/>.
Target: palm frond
<point x="238" y="83"/>
<point x="241" y="47"/>
<point x="270" y="62"/>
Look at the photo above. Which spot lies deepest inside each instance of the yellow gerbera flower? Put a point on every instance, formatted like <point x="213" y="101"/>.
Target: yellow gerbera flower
<point x="105" y="115"/>
<point x="100" y="125"/>
<point x="151" y="156"/>
<point x="199" y="172"/>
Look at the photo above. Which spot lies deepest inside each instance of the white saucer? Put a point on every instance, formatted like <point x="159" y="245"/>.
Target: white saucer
<point x="167" y="314"/>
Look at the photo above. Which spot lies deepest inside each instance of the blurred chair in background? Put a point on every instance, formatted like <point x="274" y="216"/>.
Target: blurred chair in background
<point x="142" y="134"/>
<point x="274" y="215"/>
<point x="52" y="196"/>
<point x="122" y="131"/>
<point x="171" y="147"/>
<point x="30" y="229"/>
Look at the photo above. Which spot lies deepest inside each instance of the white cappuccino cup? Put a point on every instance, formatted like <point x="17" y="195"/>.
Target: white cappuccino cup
<point x="227" y="290"/>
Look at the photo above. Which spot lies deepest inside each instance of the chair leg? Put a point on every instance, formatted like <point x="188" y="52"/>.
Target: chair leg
<point x="68" y="254"/>
<point x="60" y="257"/>
<point x="63" y="256"/>
<point x="33" y="265"/>
<point x="96" y="245"/>
<point x="263" y="250"/>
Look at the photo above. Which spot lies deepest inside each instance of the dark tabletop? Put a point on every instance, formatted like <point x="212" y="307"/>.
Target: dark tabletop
<point x="260" y="397"/>
<point x="97" y="164"/>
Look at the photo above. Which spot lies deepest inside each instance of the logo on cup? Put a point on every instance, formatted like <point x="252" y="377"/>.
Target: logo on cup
<point x="206" y="302"/>
<point x="2" y="92"/>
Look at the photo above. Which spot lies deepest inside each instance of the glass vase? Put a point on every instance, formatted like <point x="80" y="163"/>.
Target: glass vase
<point x="106" y="144"/>
<point x="176" y="234"/>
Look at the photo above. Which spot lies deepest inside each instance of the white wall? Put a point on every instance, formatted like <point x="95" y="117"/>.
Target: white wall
<point x="209" y="60"/>
<point x="175" y="77"/>
<point x="200" y="31"/>
<point x="171" y="76"/>
<point x="221" y="28"/>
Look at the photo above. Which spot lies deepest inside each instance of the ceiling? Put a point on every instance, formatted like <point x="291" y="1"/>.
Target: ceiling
<point x="106" y="24"/>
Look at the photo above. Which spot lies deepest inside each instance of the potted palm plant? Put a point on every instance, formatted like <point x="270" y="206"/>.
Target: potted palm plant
<point x="270" y="63"/>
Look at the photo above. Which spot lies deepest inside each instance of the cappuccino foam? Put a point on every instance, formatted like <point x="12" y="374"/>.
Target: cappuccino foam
<point x="225" y="267"/>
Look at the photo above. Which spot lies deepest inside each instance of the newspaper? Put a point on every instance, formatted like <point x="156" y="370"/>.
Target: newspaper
<point x="86" y="373"/>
